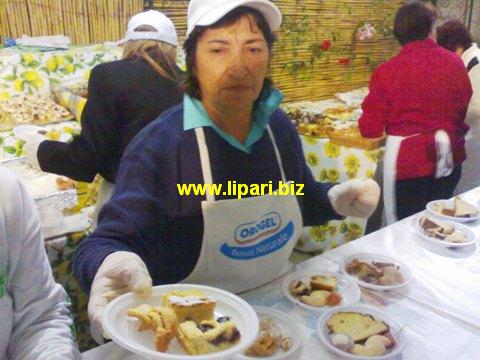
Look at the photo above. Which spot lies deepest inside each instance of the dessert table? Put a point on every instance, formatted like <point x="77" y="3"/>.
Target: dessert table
<point x="438" y="310"/>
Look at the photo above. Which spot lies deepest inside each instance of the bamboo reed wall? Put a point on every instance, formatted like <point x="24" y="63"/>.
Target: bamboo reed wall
<point x="302" y="67"/>
<point x="85" y="21"/>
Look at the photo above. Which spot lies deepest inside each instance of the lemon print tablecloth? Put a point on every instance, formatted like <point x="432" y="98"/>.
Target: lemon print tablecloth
<point x="334" y="164"/>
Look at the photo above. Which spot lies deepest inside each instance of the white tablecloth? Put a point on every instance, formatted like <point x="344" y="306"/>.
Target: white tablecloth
<point x="440" y="309"/>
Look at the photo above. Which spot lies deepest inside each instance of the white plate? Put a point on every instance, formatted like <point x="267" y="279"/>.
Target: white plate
<point x="471" y="236"/>
<point x="368" y="257"/>
<point x="287" y="327"/>
<point x="124" y="329"/>
<point x="449" y="204"/>
<point x="345" y="286"/>
<point x="396" y="331"/>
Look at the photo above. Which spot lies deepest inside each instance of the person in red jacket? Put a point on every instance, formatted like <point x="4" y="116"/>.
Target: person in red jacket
<point x="419" y="98"/>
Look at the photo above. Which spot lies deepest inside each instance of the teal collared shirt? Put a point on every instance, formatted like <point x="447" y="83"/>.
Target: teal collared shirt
<point x="194" y="115"/>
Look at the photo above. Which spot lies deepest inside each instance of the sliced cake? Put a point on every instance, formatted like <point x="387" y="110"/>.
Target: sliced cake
<point x="356" y="325"/>
<point x="208" y="336"/>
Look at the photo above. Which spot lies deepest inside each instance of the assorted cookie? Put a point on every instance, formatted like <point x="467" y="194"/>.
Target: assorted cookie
<point x="270" y="340"/>
<point x="189" y="316"/>
<point x="29" y="109"/>
<point x="316" y="291"/>
<point x="375" y="272"/>
<point x="460" y="209"/>
<point x="439" y="230"/>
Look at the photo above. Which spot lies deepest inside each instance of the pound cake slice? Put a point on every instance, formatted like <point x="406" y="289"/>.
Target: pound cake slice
<point x="358" y="326"/>
<point x="208" y="336"/>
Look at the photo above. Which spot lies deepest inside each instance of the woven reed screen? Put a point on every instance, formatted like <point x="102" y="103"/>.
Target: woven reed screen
<point x="316" y="56"/>
<point x="317" y="53"/>
<point x="85" y="21"/>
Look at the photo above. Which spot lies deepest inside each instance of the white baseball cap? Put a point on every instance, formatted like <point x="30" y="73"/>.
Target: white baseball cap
<point x="165" y="29"/>
<point x="208" y="12"/>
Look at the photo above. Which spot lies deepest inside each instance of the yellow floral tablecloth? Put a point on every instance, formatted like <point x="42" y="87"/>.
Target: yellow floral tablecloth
<point x="333" y="163"/>
<point x="60" y="252"/>
<point x="31" y="72"/>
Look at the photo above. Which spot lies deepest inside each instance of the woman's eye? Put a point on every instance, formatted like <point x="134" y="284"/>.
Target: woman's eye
<point x="216" y="51"/>
<point x="255" y="50"/>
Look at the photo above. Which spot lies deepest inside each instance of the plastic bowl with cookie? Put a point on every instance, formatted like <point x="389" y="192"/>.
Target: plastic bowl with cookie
<point x="376" y="271"/>
<point x="358" y="332"/>
<point x="318" y="290"/>
<point x="279" y="337"/>
<point x="455" y="209"/>
<point x="443" y="233"/>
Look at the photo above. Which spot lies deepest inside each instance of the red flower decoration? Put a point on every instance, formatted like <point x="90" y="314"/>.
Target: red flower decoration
<point x="326" y="45"/>
<point x="345" y="61"/>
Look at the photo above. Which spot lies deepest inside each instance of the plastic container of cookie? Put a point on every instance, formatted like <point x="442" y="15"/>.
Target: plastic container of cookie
<point x="124" y="329"/>
<point x="285" y="328"/>
<point x="41" y="186"/>
<point x="396" y="331"/>
<point x="344" y="286"/>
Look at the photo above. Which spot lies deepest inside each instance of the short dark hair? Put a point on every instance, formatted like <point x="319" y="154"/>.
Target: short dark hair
<point x="453" y="34"/>
<point x="191" y="85"/>
<point x="414" y="21"/>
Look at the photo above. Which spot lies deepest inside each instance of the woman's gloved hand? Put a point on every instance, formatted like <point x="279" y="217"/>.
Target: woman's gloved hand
<point x="357" y="198"/>
<point x="120" y="272"/>
<point x="30" y="148"/>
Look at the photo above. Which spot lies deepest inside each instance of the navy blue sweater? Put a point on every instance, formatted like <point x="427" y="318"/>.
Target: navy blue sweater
<point x="147" y="216"/>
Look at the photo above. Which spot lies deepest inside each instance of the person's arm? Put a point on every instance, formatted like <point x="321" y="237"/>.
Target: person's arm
<point x="94" y="149"/>
<point x="131" y="221"/>
<point x="375" y="109"/>
<point x="41" y="318"/>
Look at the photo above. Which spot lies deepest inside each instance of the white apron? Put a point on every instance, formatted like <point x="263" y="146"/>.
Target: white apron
<point x="105" y="191"/>
<point x="392" y="148"/>
<point x="246" y="242"/>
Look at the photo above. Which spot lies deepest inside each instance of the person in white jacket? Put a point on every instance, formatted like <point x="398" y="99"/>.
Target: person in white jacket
<point x="35" y="322"/>
<point x="454" y="36"/>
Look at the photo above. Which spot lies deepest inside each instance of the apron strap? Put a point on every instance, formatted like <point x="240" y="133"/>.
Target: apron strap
<point x="205" y="161"/>
<point x="277" y="154"/>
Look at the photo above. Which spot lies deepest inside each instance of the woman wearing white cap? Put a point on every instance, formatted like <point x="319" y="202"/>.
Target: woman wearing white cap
<point x="229" y="128"/>
<point x="123" y="97"/>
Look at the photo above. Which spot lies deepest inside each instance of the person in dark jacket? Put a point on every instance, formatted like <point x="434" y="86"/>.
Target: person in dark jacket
<point x="123" y="97"/>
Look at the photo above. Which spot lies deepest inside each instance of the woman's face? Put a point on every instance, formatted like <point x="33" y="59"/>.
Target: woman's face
<point x="231" y="64"/>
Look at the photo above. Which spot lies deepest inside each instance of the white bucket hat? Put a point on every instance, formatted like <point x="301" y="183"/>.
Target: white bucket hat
<point x="208" y="12"/>
<point x="165" y="29"/>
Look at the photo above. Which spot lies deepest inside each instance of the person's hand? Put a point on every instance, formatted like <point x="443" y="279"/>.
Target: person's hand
<point x="120" y="272"/>
<point x="357" y="198"/>
<point x="30" y="147"/>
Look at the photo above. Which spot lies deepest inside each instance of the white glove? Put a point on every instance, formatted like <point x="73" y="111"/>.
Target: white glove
<point x="30" y="148"/>
<point x="357" y="198"/>
<point x="119" y="273"/>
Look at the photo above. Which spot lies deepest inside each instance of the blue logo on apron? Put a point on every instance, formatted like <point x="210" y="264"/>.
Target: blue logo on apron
<point x="263" y="248"/>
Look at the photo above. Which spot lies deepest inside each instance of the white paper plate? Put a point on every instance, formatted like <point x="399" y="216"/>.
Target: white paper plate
<point x="449" y="204"/>
<point x="345" y="286"/>
<point x="396" y="331"/>
<point x="124" y="329"/>
<point x="368" y="257"/>
<point x="471" y="236"/>
<point x="287" y="327"/>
